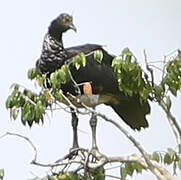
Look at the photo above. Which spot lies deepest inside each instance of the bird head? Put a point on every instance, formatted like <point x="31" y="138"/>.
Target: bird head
<point x="61" y="24"/>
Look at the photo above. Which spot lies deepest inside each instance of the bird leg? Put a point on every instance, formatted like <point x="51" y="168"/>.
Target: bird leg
<point x="93" y="124"/>
<point x="74" y="126"/>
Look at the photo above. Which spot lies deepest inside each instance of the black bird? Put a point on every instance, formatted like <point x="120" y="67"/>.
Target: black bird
<point x="102" y="77"/>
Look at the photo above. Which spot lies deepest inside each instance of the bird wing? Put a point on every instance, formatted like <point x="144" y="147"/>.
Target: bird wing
<point x="86" y="48"/>
<point x="101" y="75"/>
<point x="104" y="82"/>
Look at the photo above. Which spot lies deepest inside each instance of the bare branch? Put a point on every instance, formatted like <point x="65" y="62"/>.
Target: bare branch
<point x="156" y="170"/>
<point x="26" y="139"/>
<point x="148" y="68"/>
<point x="160" y="172"/>
<point x="173" y="123"/>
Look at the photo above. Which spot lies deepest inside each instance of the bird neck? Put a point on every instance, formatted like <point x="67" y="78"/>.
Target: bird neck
<point x="53" y="55"/>
<point x="54" y="31"/>
<point x="51" y="45"/>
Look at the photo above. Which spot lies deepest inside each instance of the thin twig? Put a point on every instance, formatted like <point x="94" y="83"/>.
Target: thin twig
<point x="173" y="123"/>
<point x="103" y="160"/>
<point x="55" y="164"/>
<point x="148" y="68"/>
<point x="161" y="70"/>
<point x="25" y="138"/>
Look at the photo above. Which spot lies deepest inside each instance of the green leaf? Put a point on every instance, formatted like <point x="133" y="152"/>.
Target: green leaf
<point x="64" y="177"/>
<point x="83" y="59"/>
<point x="9" y="102"/>
<point x="97" y="174"/>
<point x="27" y="114"/>
<point x="39" y="110"/>
<point x="159" y="91"/>
<point x="61" y="76"/>
<point x="54" y="80"/>
<point x="41" y="79"/>
<point x="58" y="96"/>
<point x="171" y="153"/>
<point x="173" y="90"/>
<point x="32" y="73"/>
<point x="127" y="52"/>
<point x="179" y="163"/>
<point x="169" y="157"/>
<point x="65" y="69"/>
<point x="77" y="65"/>
<point x="14" y="113"/>
<point x="155" y="156"/>
<point x="15" y="86"/>
<point x="123" y="173"/>
<point x="73" y="176"/>
<point x="21" y="101"/>
<point x="1" y="174"/>
<point x="129" y="168"/>
<point x="98" y="56"/>
<point x="168" y="103"/>
<point x="138" y="167"/>
<point x="116" y="61"/>
<point x="79" y="60"/>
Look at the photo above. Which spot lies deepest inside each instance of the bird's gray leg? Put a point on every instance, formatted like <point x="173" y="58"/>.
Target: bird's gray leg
<point x="93" y="124"/>
<point x="74" y="126"/>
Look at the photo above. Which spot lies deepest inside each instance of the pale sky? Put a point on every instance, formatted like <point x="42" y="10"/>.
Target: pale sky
<point x="138" y="24"/>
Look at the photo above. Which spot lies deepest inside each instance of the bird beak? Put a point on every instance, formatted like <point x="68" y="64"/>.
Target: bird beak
<point x="71" y="26"/>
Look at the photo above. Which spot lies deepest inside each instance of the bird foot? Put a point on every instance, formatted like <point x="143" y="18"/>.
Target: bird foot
<point x="96" y="155"/>
<point x="73" y="153"/>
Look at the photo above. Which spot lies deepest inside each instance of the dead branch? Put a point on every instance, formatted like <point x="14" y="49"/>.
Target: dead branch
<point x="26" y="139"/>
<point x="171" y="119"/>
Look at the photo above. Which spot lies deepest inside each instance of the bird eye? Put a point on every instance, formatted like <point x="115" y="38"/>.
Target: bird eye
<point x="65" y="20"/>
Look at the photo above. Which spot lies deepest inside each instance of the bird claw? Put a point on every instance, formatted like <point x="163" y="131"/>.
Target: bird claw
<point x="96" y="155"/>
<point x="73" y="152"/>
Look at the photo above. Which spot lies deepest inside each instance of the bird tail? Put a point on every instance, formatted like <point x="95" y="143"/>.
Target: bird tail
<point x="133" y="112"/>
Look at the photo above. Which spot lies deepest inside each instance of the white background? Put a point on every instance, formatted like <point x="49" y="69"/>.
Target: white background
<point x="154" y="25"/>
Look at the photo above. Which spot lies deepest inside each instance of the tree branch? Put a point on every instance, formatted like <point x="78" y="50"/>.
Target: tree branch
<point x="156" y="170"/>
<point x="26" y="139"/>
<point x="171" y="119"/>
<point x="173" y="123"/>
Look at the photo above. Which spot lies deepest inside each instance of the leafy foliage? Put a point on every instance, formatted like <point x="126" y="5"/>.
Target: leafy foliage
<point x="130" y="75"/>
<point x="170" y="157"/>
<point x="35" y="74"/>
<point x="98" y="56"/>
<point x="63" y="176"/>
<point x="98" y="174"/>
<point x="79" y="60"/>
<point x="60" y="76"/>
<point x="32" y="105"/>
<point x="129" y="168"/>
<point x="173" y="74"/>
